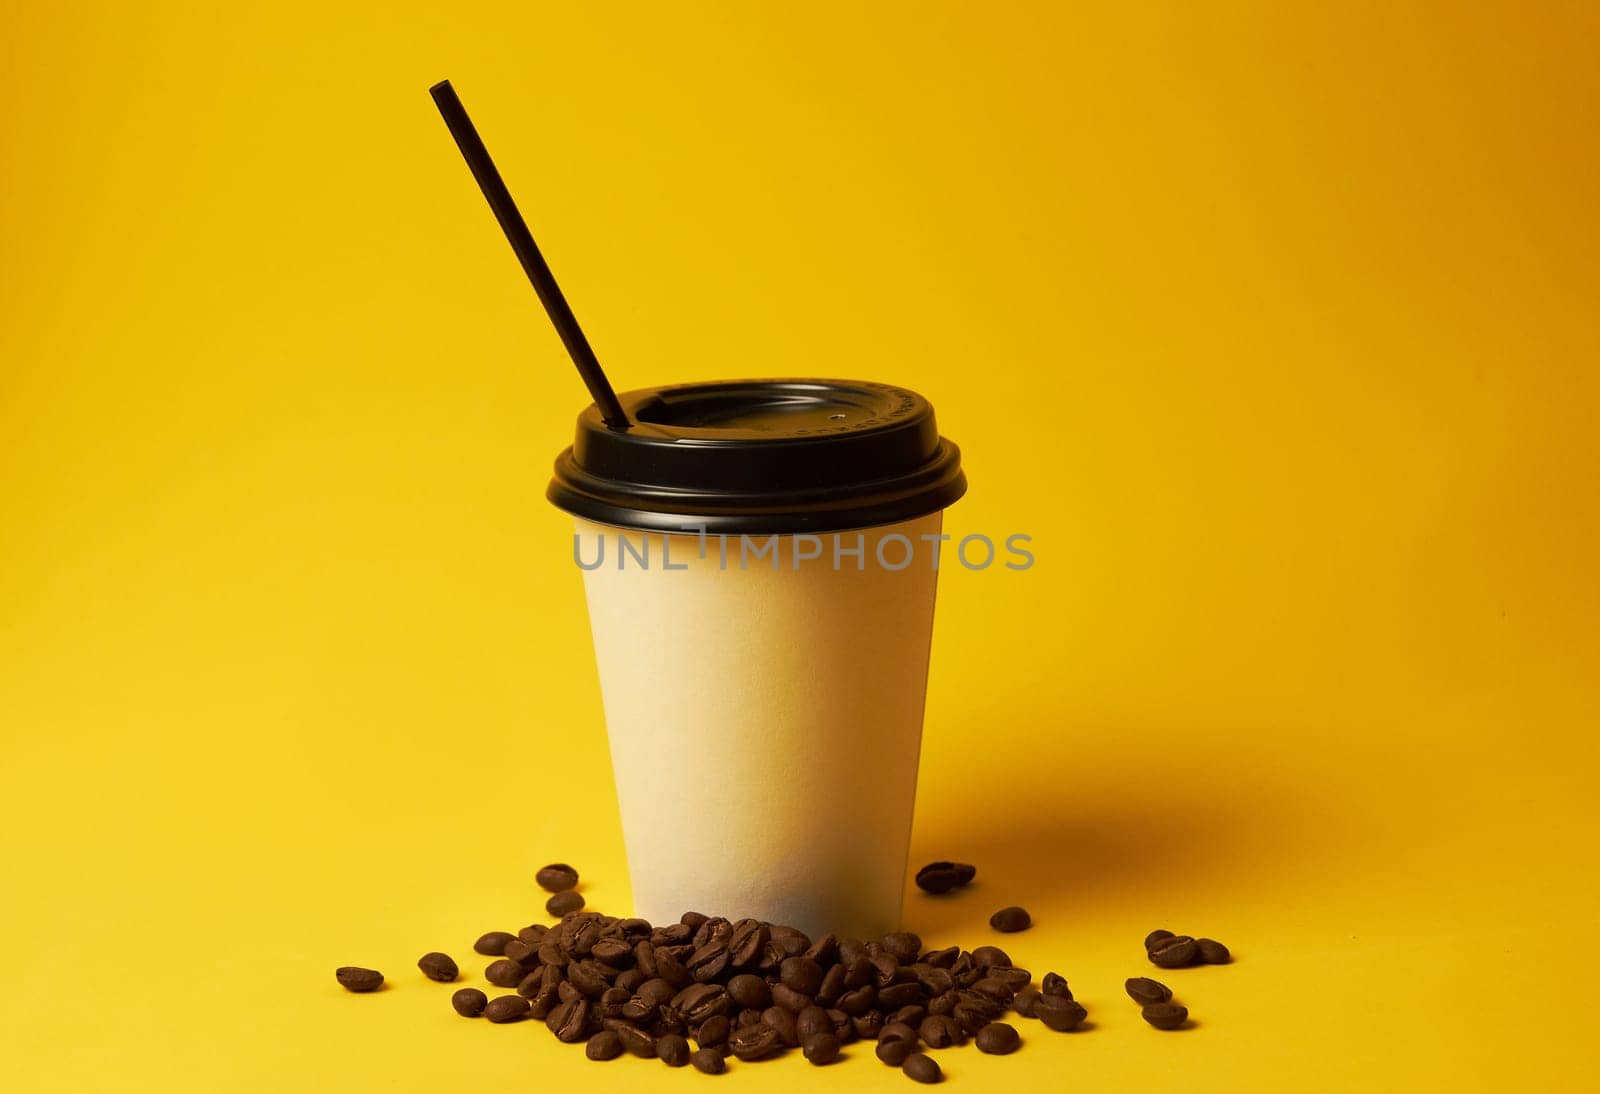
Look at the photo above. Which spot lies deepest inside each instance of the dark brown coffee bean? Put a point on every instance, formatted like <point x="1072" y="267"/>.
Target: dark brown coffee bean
<point x="791" y="1000"/>
<point x="844" y="1026"/>
<point x="992" y="988"/>
<point x="1024" y="1002"/>
<point x="985" y="957"/>
<point x="941" y="877"/>
<point x="1011" y="920"/>
<point x="894" y="1053"/>
<point x="1055" y="984"/>
<point x="672" y="1050"/>
<point x="824" y="951"/>
<point x="614" y="952"/>
<point x="636" y="1041"/>
<point x="1155" y="938"/>
<point x="564" y="903"/>
<point x="921" y="1067"/>
<point x="534" y="933"/>
<point x="692" y="920"/>
<point x="558" y="877"/>
<point x="708" y="1061"/>
<point x="670" y="967"/>
<point x="749" y="990"/>
<point x="812" y="1020"/>
<point x="700" y="1002"/>
<point x="1012" y="977"/>
<point x="506" y="1008"/>
<point x="714" y="929"/>
<point x="896" y="996"/>
<point x="747" y="942"/>
<point x="998" y="1039"/>
<point x="356" y="979"/>
<point x="568" y="992"/>
<point x="469" y="1002"/>
<point x="493" y="944"/>
<point x="1062" y="1015"/>
<point x="1165" y="1015"/>
<point x="885" y="969"/>
<point x="898" y="1031"/>
<point x="523" y="953"/>
<point x="943" y="1003"/>
<point x="581" y="935"/>
<point x="707" y="963"/>
<point x="754" y="1042"/>
<point x="859" y="1001"/>
<point x="801" y="974"/>
<point x="784" y="1022"/>
<point x="1145" y="991"/>
<point x="832" y="986"/>
<point x="940" y="1031"/>
<point x="569" y="1021"/>
<point x="942" y="959"/>
<point x="713" y="1031"/>
<point x="903" y="946"/>
<point x="821" y="1049"/>
<point x="747" y="1016"/>
<point x="1174" y="953"/>
<point x="1212" y="952"/>
<point x="604" y="1045"/>
<point x="866" y="1026"/>
<point x="850" y="949"/>
<point x="551" y="954"/>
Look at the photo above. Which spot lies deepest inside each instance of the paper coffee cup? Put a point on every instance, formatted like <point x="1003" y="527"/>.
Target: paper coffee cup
<point x="760" y="565"/>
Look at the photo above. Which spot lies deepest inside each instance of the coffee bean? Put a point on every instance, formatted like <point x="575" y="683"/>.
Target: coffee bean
<point x="615" y="952"/>
<point x="1062" y="1015"/>
<point x="1174" y="953"/>
<point x="749" y="990"/>
<point x="564" y="903"/>
<point x="987" y="956"/>
<point x="708" y="962"/>
<point x="896" y="996"/>
<point x="832" y="986"/>
<point x="1145" y="991"/>
<point x="1055" y="984"/>
<point x="820" y="1048"/>
<point x="789" y="999"/>
<point x="812" y="1020"/>
<point x="747" y="942"/>
<point x="755" y="1041"/>
<point x="921" y="1067"/>
<point x="558" y="877"/>
<point x="903" y="946"/>
<point x="701" y="1002"/>
<point x="1155" y="938"/>
<point x="534" y="933"/>
<point x="713" y="1031"/>
<point x="521" y="952"/>
<point x="1212" y="952"/>
<point x="801" y="974"/>
<point x="604" y="1045"/>
<point x="580" y="935"/>
<point x="859" y="1001"/>
<point x="784" y="1022"/>
<point x="1013" y="978"/>
<point x="569" y="1021"/>
<point x="493" y="944"/>
<point x="469" y="1002"/>
<point x="672" y="1050"/>
<point x="1024" y="1002"/>
<point x="941" y="877"/>
<point x="1010" y="920"/>
<point x="992" y="988"/>
<point x="636" y="1041"/>
<point x="941" y="1031"/>
<point x="670" y="968"/>
<point x="708" y="1061"/>
<point x="1165" y="1015"/>
<point x="998" y="1039"/>
<point x="356" y="979"/>
<point x="506" y="1008"/>
<point x="587" y="977"/>
<point x="894" y="1053"/>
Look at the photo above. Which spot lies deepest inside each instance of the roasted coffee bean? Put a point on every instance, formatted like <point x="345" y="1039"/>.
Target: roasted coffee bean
<point x="858" y="972"/>
<point x="824" y="951"/>
<point x="1013" y="978"/>
<point x="713" y="1031"/>
<point x="850" y="949"/>
<point x="558" y="877"/>
<point x="993" y="988"/>
<point x="894" y="1053"/>
<point x="885" y="969"/>
<point x="898" y="1031"/>
<point x="1010" y="920"/>
<point x="941" y="877"/>
<point x="942" y="959"/>
<point x="1165" y="1015"/>
<point x="940" y="1031"/>
<point x="832" y="986"/>
<point x="699" y="1002"/>
<point x="564" y="903"/>
<point x="469" y="1002"/>
<point x="356" y="979"/>
<point x="1145" y="991"/>
<point x="670" y="968"/>
<point x="896" y="996"/>
<point x="1212" y="952"/>
<point x="749" y="990"/>
<point x="784" y="1022"/>
<point x="672" y="1050"/>
<point x="534" y="933"/>
<point x="568" y="992"/>
<point x="569" y="1021"/>
<point x="812" y="1020"/>
<point x="715" y="929"/>
<point x="985" y="957"/>
<point x="866" y="1025"/>
<point x="943" y="1003"/>
<point x="921" y="1067"/>
<point x="789" y="999"/>
<point x="506" y="1008"/>
<point x="523" y="953"/>
<point x="1062" y="1015"/>
<point x="692" y="920"/>
<point x="1174" y="953"/>
<point x="605" y="1045"/>
<point x="581" y="936"/>
<point x="636" y="1041"/>
<point x="998" y="1039"/>
<point x="903" y="946"/>
<point x="933" y="979"/>
<point x="802" y="974"/>
<point x="747" y="942"/>
<point x="708" y="1061"/>
<point x="629" y="980"/>
<point x="1155" y="938"/>
<point x="706" y="963"/>
<point x="551" y="954"/>
<point x="747" y="1016"/>
<point x="1024" y="1002"/>
<point x="754" y="1042"/>
<point x="859" y="1001"/>
<point x="1055" y="984"/>
<point x="820" y="1048"/>
<point x="614" y="952"/>
<point x="493" y="944"/>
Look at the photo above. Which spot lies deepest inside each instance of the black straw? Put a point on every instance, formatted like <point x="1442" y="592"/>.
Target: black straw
<point x="533" y="263"/>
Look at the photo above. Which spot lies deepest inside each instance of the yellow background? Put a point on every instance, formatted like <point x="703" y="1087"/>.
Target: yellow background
<point x="1273" y="324"/>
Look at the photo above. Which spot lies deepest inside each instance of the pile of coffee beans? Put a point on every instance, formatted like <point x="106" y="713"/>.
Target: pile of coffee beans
<point x="1177" y="951"/>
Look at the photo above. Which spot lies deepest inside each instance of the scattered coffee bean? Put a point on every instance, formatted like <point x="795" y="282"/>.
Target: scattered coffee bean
<point x="603" y="1046"/>
<point x="1144" y="991"/>
<point x="356" y="979"/>
<point x="469" y="1002"/>
<point x="672" y="1049"/>
<point x="921" y="1067"/>
<point x="1061" y="1015"/>
<point x="438" y="966"/>
<point x="1174" y="953"/>
<point x="1055" y="984"/>
<point x="493" y="944"/>
<point x="1212" y="952"/>
<point x="1155" y="938"/>
<point x="1010" y="920"/>
<point x="820" y="1048"/>
<point x="1165" y="1015"/>
<point x="941" y="877"/>
<point x="558" y="877"/>
<point x="506" y="1008"/>
<point x="708" y="1061"/>
<point x="564" y="903"/>
<point x="998" y="1039"/>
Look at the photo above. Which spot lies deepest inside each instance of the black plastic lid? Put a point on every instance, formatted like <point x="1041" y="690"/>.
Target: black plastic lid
<point x="760" y="456"/>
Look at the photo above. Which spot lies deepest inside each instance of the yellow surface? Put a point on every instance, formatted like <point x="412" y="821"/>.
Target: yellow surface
<point x="1275" y="328"/>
